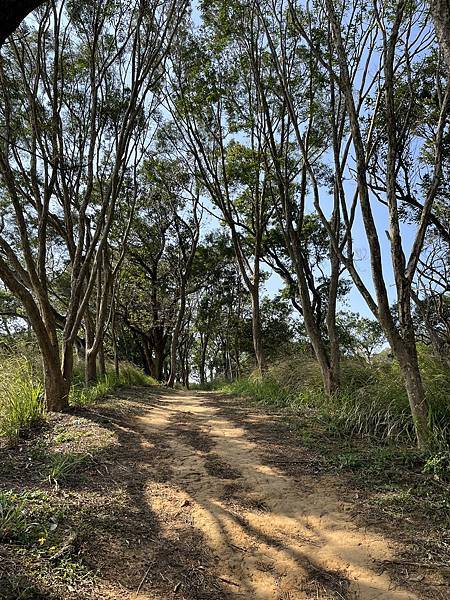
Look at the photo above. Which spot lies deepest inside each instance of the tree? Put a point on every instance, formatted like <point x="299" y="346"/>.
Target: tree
<point x="291" y="126"/>
<point x="209" y="101"/>
<point x="391" y="32"/>
<point x="221" y="323"/>
<point x="360" y="336"/>
<point x="72" y="121"/>
<point x="440" y="12"/>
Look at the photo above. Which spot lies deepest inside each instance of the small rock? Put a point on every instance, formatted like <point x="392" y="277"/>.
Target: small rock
<point x="416" y="577"/>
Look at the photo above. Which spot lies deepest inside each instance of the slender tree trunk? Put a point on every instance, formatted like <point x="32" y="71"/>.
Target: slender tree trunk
<point x="334" y="353"/>
<point x="409" y="366"/>
<point x="90" y="359"/>
<point x="330" y="375"/>
<point x="238" y="363"/>
<point x="205" y="341"/>
<point x="225" y="365"/>
<point x="256" y="330"/>
<point x="114" y="343"/>
<point x="186" y="369"/>
<point x="116" y="357"/>
<point x="67" y="363"/>
<point x="80" y="351"/>
<point x="147" y="357"/>
<point x="101" y="359"/>
<point x="175" y="337"/>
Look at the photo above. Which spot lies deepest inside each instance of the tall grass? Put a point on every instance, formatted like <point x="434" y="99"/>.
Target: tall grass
<point x="21" y="398"/>
<point x="81" y="395"/>
<point x="372" y="401"/>
<point x="21" y="392"/>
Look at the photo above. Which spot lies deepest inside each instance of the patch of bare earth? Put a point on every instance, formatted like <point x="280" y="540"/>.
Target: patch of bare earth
<point x="193" y="496"/>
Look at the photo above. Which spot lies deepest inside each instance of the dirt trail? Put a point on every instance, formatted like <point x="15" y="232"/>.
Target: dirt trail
<point x="269" y="533"/>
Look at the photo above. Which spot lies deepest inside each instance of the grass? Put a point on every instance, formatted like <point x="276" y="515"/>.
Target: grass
<point x="372" y="403"/>
<point x="21" y="393"/>
<point x="81" y="395"/>
<point x="366" y="435"/>
<point x="21" y="398"/>
<point x="63" y="464"/>
<point x="35" y="536"/>
<point x="47" y="516"/>
<point x="25" y="517"/>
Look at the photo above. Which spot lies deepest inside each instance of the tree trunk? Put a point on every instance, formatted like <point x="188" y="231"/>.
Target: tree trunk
<point x="90" y="368"/>
<point x="90" y="358"/>
<point x="256" y="331"/>
<point x="147" y="358"/>
<point x="56" y="388"/>
<point x="330" y="376"/>
<point x="116" y="360"/>
<point x="409" y="366"/>
<point x="158" y="362"/>
<point x="238" y="363"/>
<point x="114" y="343"/>
<point x="102" y="360"/>
<point x="175" y="336"/>
<point x="185" y="360"/>
<point x="203" y="360"/>
<point x="334" y="354"/>
<point x="440" y="12"/>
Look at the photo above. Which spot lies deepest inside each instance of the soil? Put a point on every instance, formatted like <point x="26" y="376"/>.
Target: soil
<point x="193" y="495"/>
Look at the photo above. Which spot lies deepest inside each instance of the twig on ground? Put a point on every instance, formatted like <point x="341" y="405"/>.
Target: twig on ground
<point x="228" y="581"/>
<point x="142" y="580"/>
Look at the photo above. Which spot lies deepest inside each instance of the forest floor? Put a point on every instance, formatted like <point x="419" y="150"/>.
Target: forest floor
<point x="194" y="495"/>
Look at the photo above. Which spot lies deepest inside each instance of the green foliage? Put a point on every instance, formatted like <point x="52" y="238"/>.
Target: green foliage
<point x="438" y="465"/>
<point x="372" y="402"/>
<point x="129" y="375"/>
<point x="62" y="465"/>
<point x="21" y="402"/>
<point x="34" y="524"/>
<point x="359" y="336"/>
<point x="23" y="516"/>
<point x="13" y="522"/>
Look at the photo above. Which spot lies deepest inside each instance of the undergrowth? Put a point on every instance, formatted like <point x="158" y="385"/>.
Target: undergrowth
<point x="33" y="528"/>
<point x="21" y="398"/>
<point x="81" y="395"/>
<point x="372" y="402"/>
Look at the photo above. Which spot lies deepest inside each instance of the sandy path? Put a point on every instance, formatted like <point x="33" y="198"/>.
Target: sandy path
<point x="273" y="536"/>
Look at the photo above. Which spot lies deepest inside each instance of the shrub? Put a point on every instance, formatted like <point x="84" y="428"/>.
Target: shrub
<point x="438" y="465"/>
